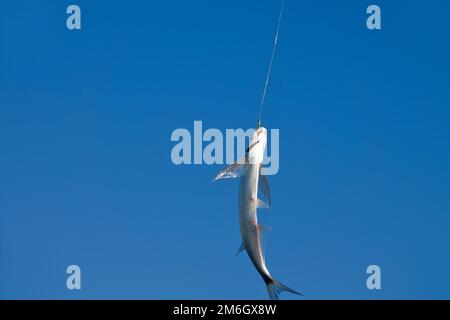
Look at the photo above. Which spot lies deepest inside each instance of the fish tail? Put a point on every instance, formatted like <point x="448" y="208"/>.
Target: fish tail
<point x="274" y="288"/>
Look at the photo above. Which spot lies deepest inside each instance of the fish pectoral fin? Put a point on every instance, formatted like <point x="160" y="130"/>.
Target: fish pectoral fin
<point x="241" y="248"/>
<point x="264" y="198"/>
<point x="262" y="204"/>
<point x="263" y="228"/>
<point x="234" y="170"/>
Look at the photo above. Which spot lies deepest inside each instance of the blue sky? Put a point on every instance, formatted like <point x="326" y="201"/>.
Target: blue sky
<point x="86" y="176"/>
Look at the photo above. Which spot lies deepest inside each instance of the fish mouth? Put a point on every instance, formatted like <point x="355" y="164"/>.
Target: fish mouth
<point x="252" y="145"/>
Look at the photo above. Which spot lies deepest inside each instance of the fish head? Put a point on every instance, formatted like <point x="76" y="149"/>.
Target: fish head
<point x="257" y="146"/>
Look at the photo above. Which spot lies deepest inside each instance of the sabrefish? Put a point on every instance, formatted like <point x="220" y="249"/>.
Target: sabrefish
<point x="254" y="192"/>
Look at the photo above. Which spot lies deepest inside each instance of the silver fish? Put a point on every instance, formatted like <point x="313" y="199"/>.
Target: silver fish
<point x="254" y="192"/>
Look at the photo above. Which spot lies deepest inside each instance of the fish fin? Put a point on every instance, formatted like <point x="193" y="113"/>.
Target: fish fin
<point x="234" y="170"/>
<point x="274" y="288"/>
<point x="264" y="228"/>
<point x="262" y="204"/>
<point x="264" y="198"/>
<point x="241" y="248"/>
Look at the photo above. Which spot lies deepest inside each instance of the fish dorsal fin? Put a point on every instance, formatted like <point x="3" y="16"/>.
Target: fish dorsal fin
<point x="241" y="248"/>
<point x="234" y="170"/>
<point x="264" y="198"/>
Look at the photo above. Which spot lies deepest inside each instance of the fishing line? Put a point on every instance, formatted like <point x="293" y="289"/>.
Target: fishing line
<point x="274" y="49"/>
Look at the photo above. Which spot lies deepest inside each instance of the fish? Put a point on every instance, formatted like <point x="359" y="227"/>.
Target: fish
<point x="254" y="193"/>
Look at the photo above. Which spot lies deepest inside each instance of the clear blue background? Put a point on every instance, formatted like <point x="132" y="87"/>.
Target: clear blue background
<point x="86" y="176"/>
